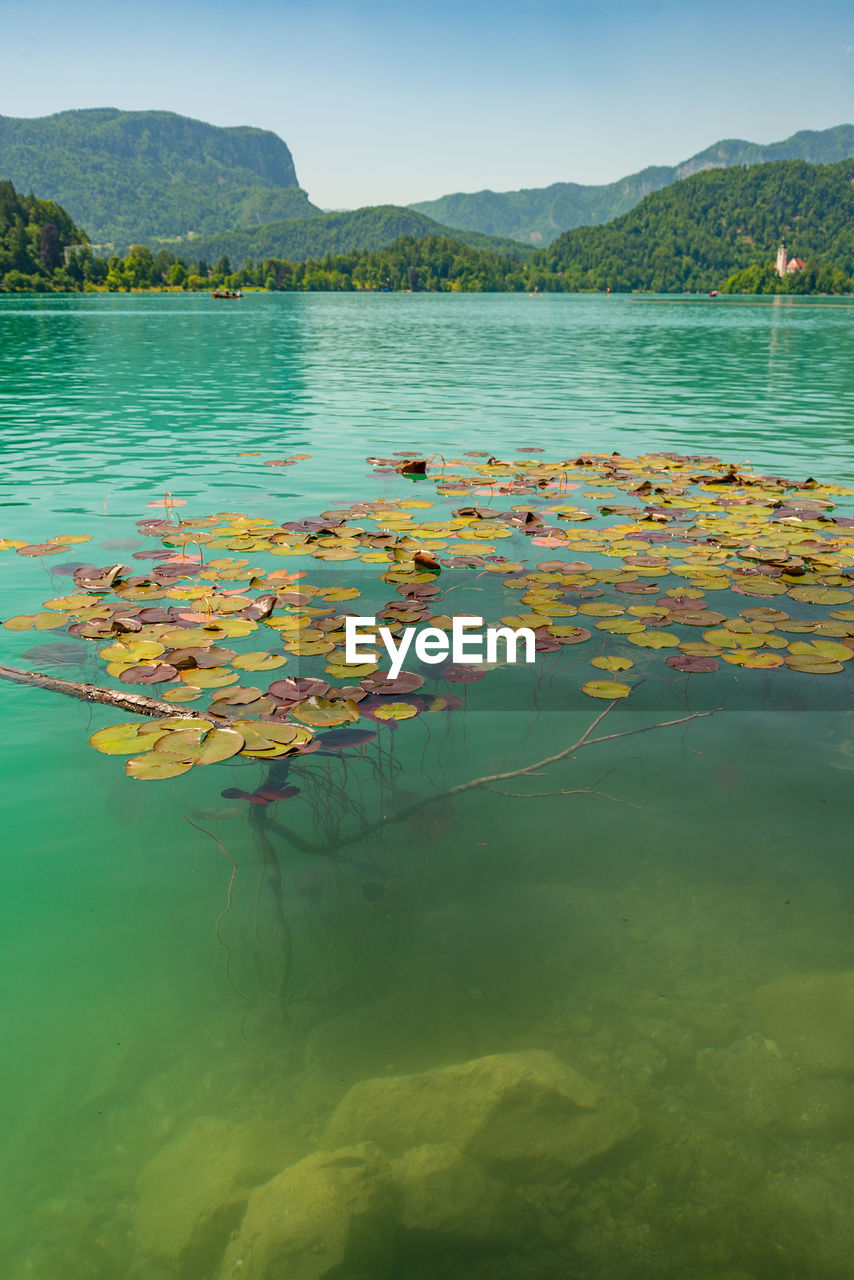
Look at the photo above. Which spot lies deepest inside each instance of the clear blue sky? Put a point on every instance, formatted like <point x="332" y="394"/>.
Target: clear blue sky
<point x="383" y="102"/>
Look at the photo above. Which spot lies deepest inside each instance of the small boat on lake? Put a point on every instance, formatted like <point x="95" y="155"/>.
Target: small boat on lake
<point x="227" y="293"/>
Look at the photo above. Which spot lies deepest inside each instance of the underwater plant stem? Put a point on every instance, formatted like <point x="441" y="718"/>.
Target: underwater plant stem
<point x="135" y="703"/>
<point x="225" y="909"/>
<point x="398" y="815"/>
<point x="259" y="822"/>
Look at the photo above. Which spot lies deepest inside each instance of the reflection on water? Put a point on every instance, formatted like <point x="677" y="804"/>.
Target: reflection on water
<point x="594" y="1036"/>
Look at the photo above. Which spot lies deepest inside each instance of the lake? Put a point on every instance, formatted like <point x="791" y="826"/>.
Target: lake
<point x="637" y="1006"/>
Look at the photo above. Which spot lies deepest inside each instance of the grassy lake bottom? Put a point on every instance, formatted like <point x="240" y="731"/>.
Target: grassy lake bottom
<point x="601" y="1037"/>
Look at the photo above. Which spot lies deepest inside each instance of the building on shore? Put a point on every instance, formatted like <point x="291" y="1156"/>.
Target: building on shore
<point x="786" y="266"/>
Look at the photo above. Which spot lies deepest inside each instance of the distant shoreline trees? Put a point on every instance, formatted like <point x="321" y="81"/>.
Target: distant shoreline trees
<point x="715" y="230"/>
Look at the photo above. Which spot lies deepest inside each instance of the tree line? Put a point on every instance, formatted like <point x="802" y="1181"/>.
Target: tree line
<point x="716" y="230"/>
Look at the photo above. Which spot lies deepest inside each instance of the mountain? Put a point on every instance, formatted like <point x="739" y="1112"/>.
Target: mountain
<point x="361" y="230"/>
<point x="694" y="234"/>
<point x="132" y="176"/>
<point x="538" y="214"/>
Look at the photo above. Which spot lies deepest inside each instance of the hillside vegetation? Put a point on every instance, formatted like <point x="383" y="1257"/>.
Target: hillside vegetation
<point x="361" y="230"/>
<point x="719" y="229"/>
<point x="33" y="237"/>
<point x="537" y="215"/>
<point x="695" y="234"/>
<point x="131" y="176"/>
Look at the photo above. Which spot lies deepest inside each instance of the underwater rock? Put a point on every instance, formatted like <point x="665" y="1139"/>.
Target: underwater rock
<point x="811" y="1015"/>
<point x="766" y="1087"/>
<point x="522" y="1114"/>
<point x="810" y="1214"/>
<point x="332" y="1214"/>
<point x="449" y="1196"/>
<point x="192" y="1194"/>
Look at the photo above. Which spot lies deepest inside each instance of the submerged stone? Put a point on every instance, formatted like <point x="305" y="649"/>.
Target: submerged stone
<point x="332" y="1214"/>
<point x="526" y="1114"/>
<point x="449" y="1197"/>
<point x="765" y="1086"/>
<point x="811" y="1015"/>
<point x="192" y="1194"/>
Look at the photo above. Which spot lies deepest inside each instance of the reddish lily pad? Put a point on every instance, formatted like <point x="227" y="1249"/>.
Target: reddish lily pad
<point x="148" y="673"/>
<point x="691" y="663"/>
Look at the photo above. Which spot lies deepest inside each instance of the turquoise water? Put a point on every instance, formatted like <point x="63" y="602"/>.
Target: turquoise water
<point x="627" y="937"/>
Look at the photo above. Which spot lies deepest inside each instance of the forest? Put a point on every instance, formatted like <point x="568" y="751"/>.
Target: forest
<point x="135" y="175"/>
<point x="715" y="230"/>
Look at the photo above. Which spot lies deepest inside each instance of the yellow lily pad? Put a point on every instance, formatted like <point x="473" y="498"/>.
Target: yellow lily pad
<point x="820" y="595"/>
<point x="654" y="639"/>
<point x="125" y="739"/>
<point x="36" y="622"/>
<point x="322" y="713"/>
<point x="749" y="658"/>
<point x="396" y="711"/>
<point x="151" y="768"/>
<point x="822" y="650"/>
<point x="605" y="689"/>
<point x="619" y="626"/>
<point x="341" y="671"/>
<point x="596" y="610"/>
<point x="612" y="663"/>
<point x="181" y="693"/>
<point x="131" y="651"/>
<point x="259" y="660"/>
<point x="209" y="677"/>
<point x="234" y="628"/>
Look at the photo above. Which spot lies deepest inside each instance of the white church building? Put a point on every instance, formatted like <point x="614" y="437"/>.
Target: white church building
<point x="787" y="266"/>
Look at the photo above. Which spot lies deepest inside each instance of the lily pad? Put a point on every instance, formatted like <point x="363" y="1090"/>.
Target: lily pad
<point x="181" y="693"/>
<point x="151" y="768"/>
<point x="396" y="711"/>
<point x="259" y="660"/>
<point x="750" y="658"/>
<point x="691" y="663"/>
<point x="822" y="650"/>
<point x="148" y="673"/>
<point x="320" y="712"/>
<point x="820" y="595"/>
<point x="131" y="651"/>
<point x="612" y="663"/>
<point x="653" y="639"/>
<point x="570" y="635"/>
<point x="51" y="621"/>
<point x="209" y="677"/>
<point x="125" y="739"/>
<point x="609" y="689"/>
<point x="265" y="739"/>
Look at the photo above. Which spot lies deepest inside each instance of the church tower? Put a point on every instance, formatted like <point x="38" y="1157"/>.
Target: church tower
<point x="781" y="260"/>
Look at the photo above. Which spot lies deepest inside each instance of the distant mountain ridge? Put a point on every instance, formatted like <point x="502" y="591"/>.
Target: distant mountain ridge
<point x="537" y="215"/>
<point x="131" y="176"/>
<point x="356" y="231"/>
<point x="696" y="233"/>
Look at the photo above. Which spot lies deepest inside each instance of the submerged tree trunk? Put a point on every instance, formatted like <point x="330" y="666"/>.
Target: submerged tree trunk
<point x="135" y="703"/>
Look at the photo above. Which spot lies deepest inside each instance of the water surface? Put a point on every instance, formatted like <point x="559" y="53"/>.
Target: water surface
<point x="628" y="937"/>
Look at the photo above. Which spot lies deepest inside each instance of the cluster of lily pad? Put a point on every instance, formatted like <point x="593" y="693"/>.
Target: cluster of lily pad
<point x="639" y="551"/>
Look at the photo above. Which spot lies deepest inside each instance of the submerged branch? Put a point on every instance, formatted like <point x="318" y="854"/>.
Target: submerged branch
<point x="485" y="783"/>
<point x="135" y="703"/>
<point x="140" y="704"/>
